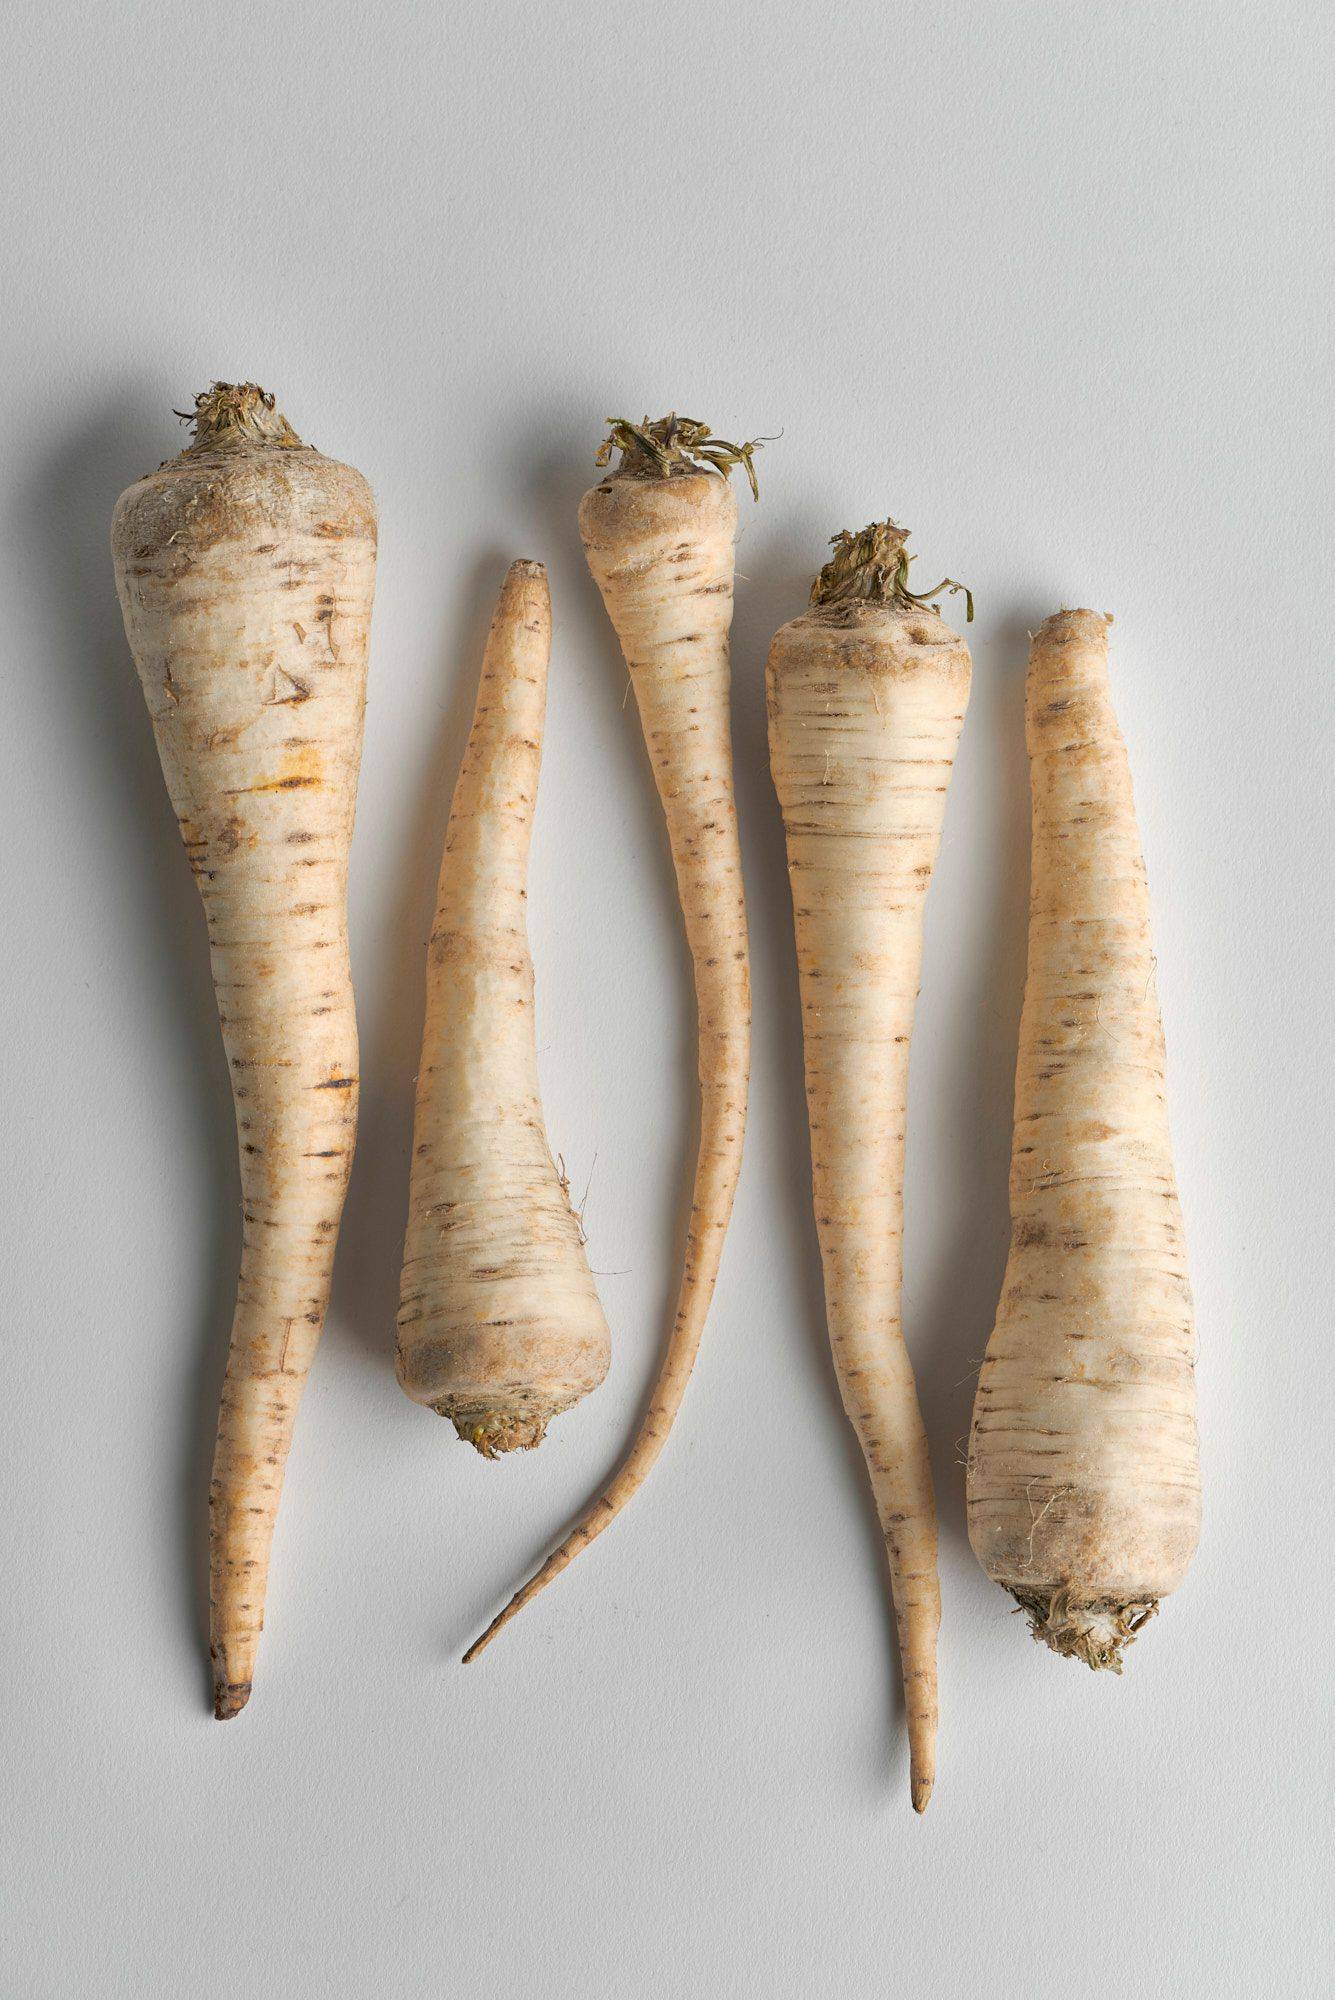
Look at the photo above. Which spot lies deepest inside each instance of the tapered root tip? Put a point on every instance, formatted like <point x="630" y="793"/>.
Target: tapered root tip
<point x="578" y="1538"/>
<point x="481" y="1643"/>
<point x="920" y="1790"/>
<point x="229" y="1698"/>
<point x="552" y="1567"/>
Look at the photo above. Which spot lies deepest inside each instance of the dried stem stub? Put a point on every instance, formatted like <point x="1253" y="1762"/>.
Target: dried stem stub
<point x="873" y="566"/>
<point x="675" y="444"/>
<point x="237" y="414"/>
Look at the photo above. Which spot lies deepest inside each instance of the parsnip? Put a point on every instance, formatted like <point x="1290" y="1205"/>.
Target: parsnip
<point x="658" y="534"/>
<point x="245" y="569"/>
<point x="500" y="1328"/>
<point x="866" y="695"/>
<point x="1084" y="1474"/>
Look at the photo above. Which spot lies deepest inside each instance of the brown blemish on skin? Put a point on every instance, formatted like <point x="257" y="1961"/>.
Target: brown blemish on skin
<point x="286" y="689"/>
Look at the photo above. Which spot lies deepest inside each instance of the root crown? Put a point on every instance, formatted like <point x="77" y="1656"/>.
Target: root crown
<point x="494" y="1432"/>
<point x="237" y="414"/>
<point x="1096" y="1632"/>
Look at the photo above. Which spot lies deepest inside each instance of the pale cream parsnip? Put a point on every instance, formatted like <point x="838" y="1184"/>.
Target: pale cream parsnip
<point x="659" y="534"/>
<point x="245" y="569"/>
<point x="1084" y="1470"/>
<point x="500" y="1328"/>
<point x="866" y="693"/>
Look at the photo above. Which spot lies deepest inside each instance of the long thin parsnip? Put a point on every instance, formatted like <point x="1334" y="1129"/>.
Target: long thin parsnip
<point x="245" y="569"/>
<point x="867" y="693"/>
<point x="1084" y="1470"/>
<point x="658" y="534"/>
<point x="500" y="1328"/>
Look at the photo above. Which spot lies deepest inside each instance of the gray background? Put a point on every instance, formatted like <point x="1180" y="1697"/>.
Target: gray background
<point x="1052" y="284"/>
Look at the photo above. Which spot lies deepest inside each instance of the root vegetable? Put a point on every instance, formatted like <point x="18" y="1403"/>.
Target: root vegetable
<point x="245" y="569"/>
<point x="500" y="1328"/>
<point x="658" y="534"/>
<point x="866" y="695"/>
<point x="1084" y="1477"/>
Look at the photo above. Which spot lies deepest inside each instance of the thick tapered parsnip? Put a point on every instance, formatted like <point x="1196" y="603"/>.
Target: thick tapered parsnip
<point x="500" y="1328"/>
<point x="1084" y="1474"/>
<point x="866" y="696"/>
<point x="658" y="534"/>
<point x="245" y="569"/>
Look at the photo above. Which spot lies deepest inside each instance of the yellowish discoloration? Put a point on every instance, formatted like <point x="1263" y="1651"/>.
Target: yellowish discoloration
<point x="661" y="553"/>
<point x="866" y="703"/>
<point x="1084" y="1474"/>
<point x="500" y="1328"/>
<point x="219" y="557"/>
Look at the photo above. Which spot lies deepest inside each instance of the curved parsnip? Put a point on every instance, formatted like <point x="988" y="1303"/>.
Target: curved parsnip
<point x="1084" y="1473"/>
<point x="866" y="697"/>
<point x="245" y="569"/>
<point x="658" y="534"/>
<point x="500" y="1328"/>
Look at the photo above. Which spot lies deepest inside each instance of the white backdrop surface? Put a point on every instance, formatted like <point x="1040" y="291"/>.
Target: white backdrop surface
<point x="1052" y="284"/>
